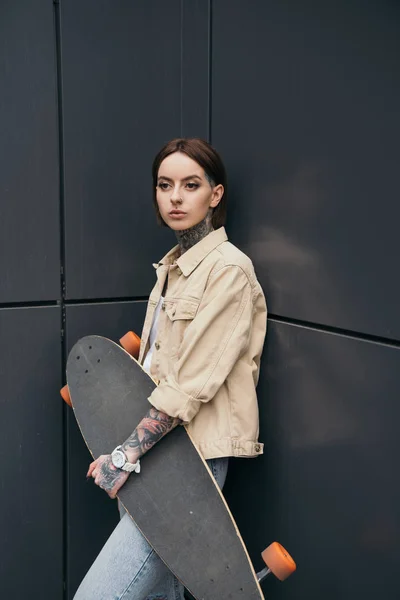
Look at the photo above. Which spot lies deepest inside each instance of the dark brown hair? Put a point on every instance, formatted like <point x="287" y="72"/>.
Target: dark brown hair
<point x="207" y="157"/>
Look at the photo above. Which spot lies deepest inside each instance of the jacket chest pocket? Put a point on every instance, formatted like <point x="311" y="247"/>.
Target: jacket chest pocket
<point x="180" y="314"/>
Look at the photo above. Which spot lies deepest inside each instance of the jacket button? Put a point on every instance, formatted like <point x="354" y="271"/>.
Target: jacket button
<point x="163" y="306"/>
<point x="178" y="271"/>
<point x="157" y="346"/>
<point x="257" y="448"/>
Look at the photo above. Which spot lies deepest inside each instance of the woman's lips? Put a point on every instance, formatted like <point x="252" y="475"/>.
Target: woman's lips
<point x="177" y="214"/>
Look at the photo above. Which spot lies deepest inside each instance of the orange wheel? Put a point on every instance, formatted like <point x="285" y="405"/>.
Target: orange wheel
<point x="131" y="343"/>
<point x="279" y="561"/>
<point x="65" y="395"/>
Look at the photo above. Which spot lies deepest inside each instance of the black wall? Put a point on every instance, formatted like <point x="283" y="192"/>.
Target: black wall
<point x="301" y="99"/>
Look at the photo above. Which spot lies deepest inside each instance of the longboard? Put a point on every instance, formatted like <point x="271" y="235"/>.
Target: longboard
<point x="174" y="501"/>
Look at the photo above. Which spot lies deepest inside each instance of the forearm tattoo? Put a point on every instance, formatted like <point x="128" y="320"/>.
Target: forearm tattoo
<point x="150" y="430"/>
<point x="189" y="237"/>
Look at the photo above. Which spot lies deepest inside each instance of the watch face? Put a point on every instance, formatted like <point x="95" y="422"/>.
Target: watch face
<point x="118" y="459"/>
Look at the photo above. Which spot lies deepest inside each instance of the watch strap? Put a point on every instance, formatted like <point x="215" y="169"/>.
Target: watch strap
<point x="130" y="467"/>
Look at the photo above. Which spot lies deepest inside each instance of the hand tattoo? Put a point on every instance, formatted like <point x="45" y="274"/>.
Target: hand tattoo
<point x="110" y="475"/>
<point x="106" y="476"/>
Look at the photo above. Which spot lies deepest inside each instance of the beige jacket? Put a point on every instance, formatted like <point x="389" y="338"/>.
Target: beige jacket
<point x="210" y="337"/>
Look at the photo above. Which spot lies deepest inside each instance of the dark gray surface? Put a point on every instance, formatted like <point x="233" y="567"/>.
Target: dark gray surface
<point x="327" y="486"/>
<point x="31" y="450"/>
<point x="29" y="235"/>
<point x="195" y="68"/>
<point x="91" y="514"/>
<point x="305" y="110"/>
<point x="122" y="101"/>
<point x="187" y="524"/>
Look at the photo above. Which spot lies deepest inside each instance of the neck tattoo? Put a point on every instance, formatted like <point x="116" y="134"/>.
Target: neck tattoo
<point x="189" y="237"/>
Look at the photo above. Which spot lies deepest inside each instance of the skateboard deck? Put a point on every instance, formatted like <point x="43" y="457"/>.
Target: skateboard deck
<point x="174" y="501"/>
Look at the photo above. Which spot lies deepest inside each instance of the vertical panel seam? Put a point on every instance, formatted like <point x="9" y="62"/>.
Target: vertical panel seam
<point x="181" y="108"/>
<point x="65" y="491"/>
<point x="210" y="50"/>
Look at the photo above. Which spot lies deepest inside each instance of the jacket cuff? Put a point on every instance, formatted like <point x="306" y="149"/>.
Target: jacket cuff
<point x="174" y="402"/>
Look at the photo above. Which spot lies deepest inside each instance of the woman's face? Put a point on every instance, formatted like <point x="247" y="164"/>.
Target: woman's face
<point x="184" y="195"/>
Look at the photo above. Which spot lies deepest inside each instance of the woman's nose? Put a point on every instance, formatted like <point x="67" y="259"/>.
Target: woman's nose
<point x="176" y="196"/>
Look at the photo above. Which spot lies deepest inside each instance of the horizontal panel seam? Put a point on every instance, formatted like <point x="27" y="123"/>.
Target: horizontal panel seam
<point x="348" y="333"/>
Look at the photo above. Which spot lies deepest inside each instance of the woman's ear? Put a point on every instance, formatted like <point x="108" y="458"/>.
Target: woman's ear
<point x="217" y="194"/>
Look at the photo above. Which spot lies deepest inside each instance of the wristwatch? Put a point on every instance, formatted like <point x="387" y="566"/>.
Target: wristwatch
<point x="120" y="461"/>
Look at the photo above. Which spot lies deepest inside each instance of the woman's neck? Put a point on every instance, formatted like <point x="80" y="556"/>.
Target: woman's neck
<point x="189" y="237"/>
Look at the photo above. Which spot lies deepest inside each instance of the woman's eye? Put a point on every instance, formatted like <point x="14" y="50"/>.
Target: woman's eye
<point x="164" y="185"/>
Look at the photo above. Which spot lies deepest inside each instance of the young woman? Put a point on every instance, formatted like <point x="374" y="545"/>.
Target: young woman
<point x="202" y="341"/>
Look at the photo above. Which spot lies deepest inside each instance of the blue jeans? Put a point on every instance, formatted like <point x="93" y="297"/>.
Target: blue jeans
<point x="127" y="567"/>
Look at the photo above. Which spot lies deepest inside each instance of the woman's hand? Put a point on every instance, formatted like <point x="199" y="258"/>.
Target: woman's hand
<point x="150" y="430"/>
<point x="106" y="476"/>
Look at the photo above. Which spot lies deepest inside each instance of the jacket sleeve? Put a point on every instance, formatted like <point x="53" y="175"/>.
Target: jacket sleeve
<point x="211" y="345"/>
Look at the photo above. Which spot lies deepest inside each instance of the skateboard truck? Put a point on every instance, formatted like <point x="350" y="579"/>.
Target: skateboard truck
<point x="278" y="561"/>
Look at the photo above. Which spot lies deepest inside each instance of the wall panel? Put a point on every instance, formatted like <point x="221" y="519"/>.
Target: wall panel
<point x="326" y="486"/>
<point x="29" y="184"/>
<point x="31" y="451"/>
<point x="305" y="112"/>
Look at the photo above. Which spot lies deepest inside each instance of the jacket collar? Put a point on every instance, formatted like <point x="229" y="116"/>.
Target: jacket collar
<point x="194" y="256"/>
